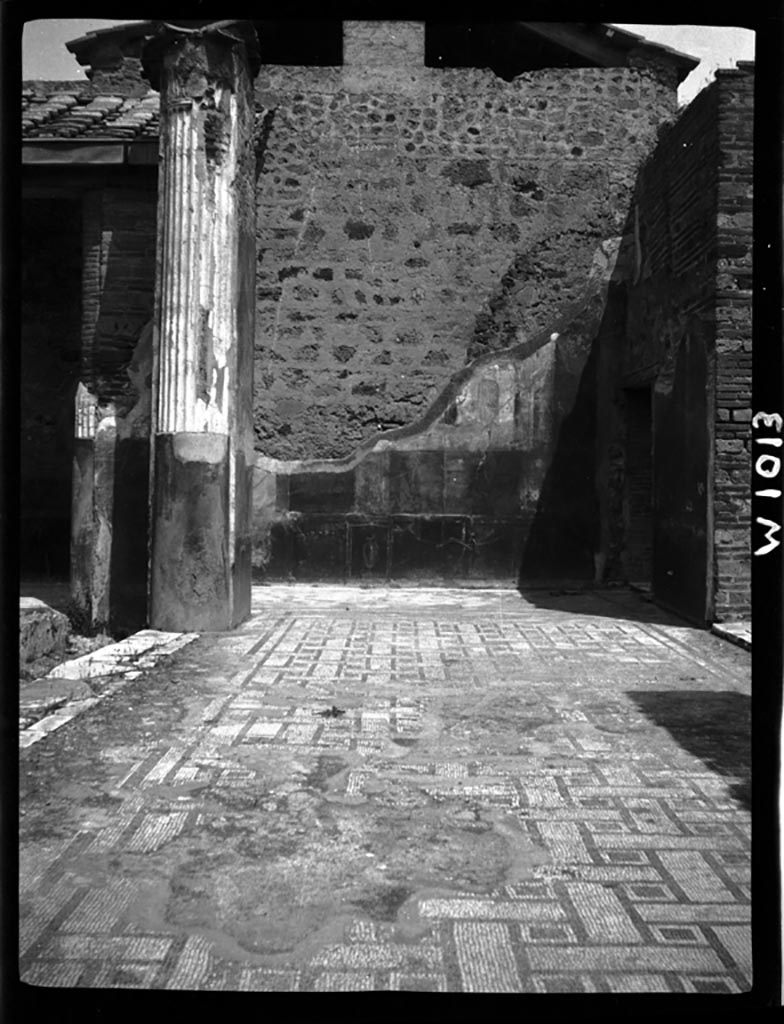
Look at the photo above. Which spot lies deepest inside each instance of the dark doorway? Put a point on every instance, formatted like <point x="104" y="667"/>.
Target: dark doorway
<point x="638" y="488"/>
<point x="49" y="365"/>
<point x="681" y="572"/>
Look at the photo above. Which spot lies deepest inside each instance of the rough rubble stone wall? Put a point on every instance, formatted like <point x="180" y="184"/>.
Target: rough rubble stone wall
<point x="409" y="218"/>
<point x="123" y="80"/>
<point x="732" y="460"/>
<point x="383" y="43"/>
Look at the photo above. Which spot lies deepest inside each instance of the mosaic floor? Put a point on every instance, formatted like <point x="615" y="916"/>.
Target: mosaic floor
<point x="402" y="790"/>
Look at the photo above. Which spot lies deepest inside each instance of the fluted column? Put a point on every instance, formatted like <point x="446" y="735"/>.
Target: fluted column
<point x="202" y="371"/>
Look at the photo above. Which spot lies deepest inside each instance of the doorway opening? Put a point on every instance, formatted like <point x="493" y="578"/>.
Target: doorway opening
<point x="49" y="371"/>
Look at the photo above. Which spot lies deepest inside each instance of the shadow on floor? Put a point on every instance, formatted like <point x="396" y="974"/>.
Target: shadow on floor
<point x="587" y="599"/>
<point x="715" y="727"/>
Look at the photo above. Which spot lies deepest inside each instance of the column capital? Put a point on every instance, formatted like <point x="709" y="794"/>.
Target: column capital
<point x="198" y="55"/>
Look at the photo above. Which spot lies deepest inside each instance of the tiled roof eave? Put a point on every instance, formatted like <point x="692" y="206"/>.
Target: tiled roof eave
<point x="84" y="116"/>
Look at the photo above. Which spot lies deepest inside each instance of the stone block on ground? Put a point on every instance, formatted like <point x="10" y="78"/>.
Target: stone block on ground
<point x="42" y="630"/>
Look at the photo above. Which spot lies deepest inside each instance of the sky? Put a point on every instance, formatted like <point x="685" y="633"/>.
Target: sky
<point x="44" y="54"/>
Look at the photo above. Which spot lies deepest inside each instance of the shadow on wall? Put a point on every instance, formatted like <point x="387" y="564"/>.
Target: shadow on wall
<point x="563" y="537"/>
<point x="127" y="609"/>
<point x="576" y="533"/>
<point x="586" y="527"/>
<point x="715" y="727"/>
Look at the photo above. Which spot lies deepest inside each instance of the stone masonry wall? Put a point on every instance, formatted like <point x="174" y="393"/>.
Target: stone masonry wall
<point x="410" y="218"/>
<point x="732" y="460"/>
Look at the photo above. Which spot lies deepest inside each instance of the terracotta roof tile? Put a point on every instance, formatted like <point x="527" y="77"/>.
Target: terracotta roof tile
<point x="73" y="110"/>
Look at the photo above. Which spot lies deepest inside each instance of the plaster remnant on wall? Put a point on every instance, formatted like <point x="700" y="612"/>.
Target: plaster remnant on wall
<point x="102" y="548"/>
<point x="103" y="513"/>
<point x="604" y="260"/>
<point x="135" y="422"/>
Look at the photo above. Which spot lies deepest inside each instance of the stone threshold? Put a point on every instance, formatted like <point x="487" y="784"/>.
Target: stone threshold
<point x="116" y="664"/>
<point x="738" y="633"/>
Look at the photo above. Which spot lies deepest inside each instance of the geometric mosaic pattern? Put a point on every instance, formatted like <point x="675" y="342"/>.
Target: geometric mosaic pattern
<point x="402" y="790"/>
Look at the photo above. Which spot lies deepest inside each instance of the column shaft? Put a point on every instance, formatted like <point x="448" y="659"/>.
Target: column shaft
<point x="202" y="444"/>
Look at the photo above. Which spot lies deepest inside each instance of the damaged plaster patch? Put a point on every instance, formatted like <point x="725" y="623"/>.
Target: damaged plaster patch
<point x="216" y="123"/>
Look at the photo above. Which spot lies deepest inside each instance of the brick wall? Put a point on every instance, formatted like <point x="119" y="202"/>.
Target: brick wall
<point x="687" y="258"/>
<point x="671" y="250"/>
<point x="409" y="218"/>
<point x="125" y="79"/>
<point x="667" y="345"/>
<point x="732" y="460"/>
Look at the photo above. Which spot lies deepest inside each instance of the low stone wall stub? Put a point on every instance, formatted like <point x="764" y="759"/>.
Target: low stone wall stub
<point x="42" y="630"/>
